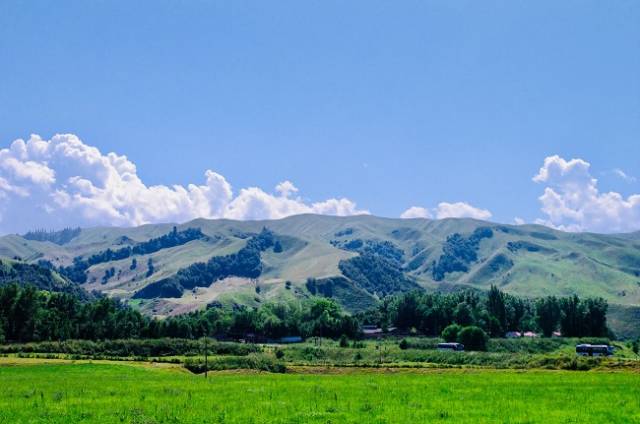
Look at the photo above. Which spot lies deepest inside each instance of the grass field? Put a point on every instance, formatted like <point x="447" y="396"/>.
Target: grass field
<point x="114" y="393"/>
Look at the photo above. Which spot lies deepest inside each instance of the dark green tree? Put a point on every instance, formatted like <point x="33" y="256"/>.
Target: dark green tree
<point x="463" y="314"/>
<point x="150" y="269"/>
<point x="572" y="316"/>
<point x="548" y="315"/>
<point x="496" y="307"/>
<point x="473" y="338"/>
<point x="450" y="333"/>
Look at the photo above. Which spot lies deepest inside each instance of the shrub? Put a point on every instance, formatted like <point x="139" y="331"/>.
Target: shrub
<point x="404" y="344"/>
<point x="133" y="347"/>
<point x="344" y="341"/>
<point x="450" y="333"/>
<point x="473" y="338"/>
<point x="259" y="362"/>
<point x="279" y="354"/>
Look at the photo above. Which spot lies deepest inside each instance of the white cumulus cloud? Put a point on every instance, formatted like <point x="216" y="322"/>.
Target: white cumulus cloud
<point x="65" y="182"/>
<point x="571" y="199"/>
<point x="461" y="210"/>
<point x="447" y="210"/>
<point x="416" y="212"/>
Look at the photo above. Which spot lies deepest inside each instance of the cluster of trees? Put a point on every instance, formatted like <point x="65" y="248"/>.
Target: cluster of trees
<point x="28" y="314"/>
<point x="108" y="274"/>
<point x="77" y="272"/>
<point x="574" y="317"/>
<point x="41" y="277"/>
<point x="495" y="313"/>
<point x="245" y="263"/>
<point x="472" y="337"/>
<point x="58" y="237"/>
<point x="378" y="268"/>
<point x="458" y="252"/>
<point x="312" y="317"/>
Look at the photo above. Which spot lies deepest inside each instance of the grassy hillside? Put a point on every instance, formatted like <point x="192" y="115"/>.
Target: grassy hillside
<point x="19" y="272"/>
<point x="379" y="254"/>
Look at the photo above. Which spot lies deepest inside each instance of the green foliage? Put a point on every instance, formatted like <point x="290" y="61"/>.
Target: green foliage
<point x="150" y="268"/>
<point x="28" y="314"/>
<point x="583" y="317"/>
<point x="450" y="333"/>
<point x="145" y="348"/>
<point x="244" y="263"/>
<point x="473" y="338"/>
<point x="37" y="275"/>
<point x="463" y="314"/>
<point x="458" y="252"/>
<point x="77" y="271"/>
<point x="376" y="274"/>
<point x="495" y="312"/>
<point x="344" y="341"/>
<point x="108" y="274"/>
<point x="548" y="315"/>
<point x="258" y="362"/>
<point x="58" y="237"/>
<point x="404" y="344"/>
<point x="378" y="268"/>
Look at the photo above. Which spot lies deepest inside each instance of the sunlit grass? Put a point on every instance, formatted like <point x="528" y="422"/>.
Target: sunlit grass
<point x="72" y="393"/>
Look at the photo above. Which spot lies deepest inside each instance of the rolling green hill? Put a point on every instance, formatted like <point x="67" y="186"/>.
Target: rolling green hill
<point x="355" y="260"/>
<point x="12" y="271"/>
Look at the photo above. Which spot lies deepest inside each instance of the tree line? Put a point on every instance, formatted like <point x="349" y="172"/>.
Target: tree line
<point x="244" y="263"/>
<point x="77" y="272"/>
<point x="495" y="312"/>
<point x="28" y="314"/>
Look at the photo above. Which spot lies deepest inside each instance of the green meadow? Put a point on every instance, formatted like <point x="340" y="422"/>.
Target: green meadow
<point x="38" y="392"/>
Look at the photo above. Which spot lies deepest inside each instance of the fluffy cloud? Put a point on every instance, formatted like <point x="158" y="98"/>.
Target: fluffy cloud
<point x="447" y="210"/>
<point x="460" y="210"/>
<point x="416" y="212"/>
<point x="572" y="201"/>
<point x="63" y="181"/>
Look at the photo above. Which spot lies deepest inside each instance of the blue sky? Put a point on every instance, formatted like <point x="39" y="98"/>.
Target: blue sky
<point x="388" y="104"/>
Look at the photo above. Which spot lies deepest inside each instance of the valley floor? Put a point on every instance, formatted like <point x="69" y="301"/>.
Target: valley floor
<point x="37" y="391"/>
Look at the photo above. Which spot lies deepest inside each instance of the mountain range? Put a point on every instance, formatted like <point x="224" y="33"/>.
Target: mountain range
<point x="167" y="269"/>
